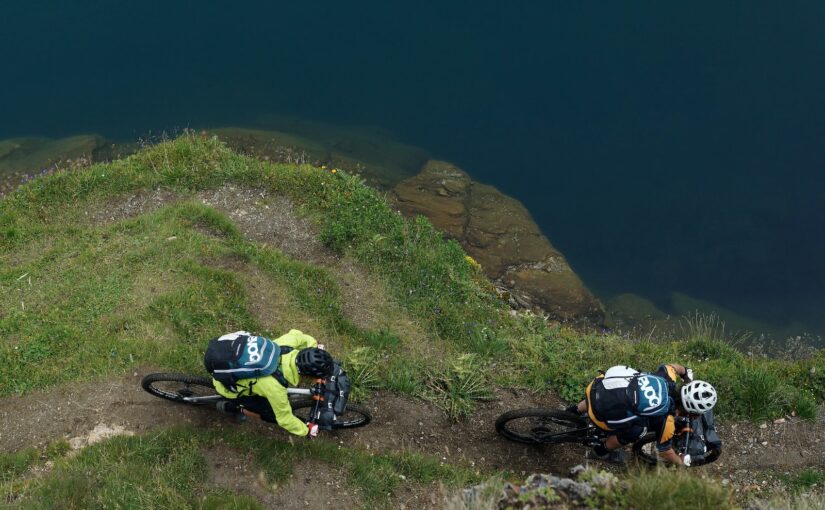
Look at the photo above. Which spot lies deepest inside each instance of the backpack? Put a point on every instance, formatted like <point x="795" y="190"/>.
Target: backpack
<point x="242" y="355"/>
<point x="623" y="395"/>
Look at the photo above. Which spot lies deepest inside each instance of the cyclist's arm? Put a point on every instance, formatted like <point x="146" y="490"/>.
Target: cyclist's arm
<point x="671" y="457"/>
<point x="297" y="340"/>
<point x="671" y="371"/>
<point x="279" y="401"/>
<point x="664" y="440"/>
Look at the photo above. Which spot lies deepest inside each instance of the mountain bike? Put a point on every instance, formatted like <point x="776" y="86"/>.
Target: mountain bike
<point x="542" y="426"/>
<point x="307" y="403"/>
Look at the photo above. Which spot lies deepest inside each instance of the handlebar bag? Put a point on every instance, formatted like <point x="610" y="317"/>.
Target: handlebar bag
<point x="703" y="436"/>
<point x="337" y="389"/>
<point x="336" y="393"/>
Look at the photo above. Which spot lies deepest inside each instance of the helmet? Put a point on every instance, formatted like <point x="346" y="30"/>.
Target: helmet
<point x="698" y="397"/>
<point x="314" y="362"/>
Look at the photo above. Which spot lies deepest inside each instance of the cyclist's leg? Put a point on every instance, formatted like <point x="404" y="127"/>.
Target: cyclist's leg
<point x="628" y="435"/>
<point x="579" y="408"/>
<point x="258" y="405"/>
<point x="611" y="451"/>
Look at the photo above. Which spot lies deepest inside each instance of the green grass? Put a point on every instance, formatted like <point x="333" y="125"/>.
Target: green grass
<point x="167" y="469"/>
<point x="805" y="480"/>
<point x="84" y="299"/>
<point x="677" y="490"/>
<point x="457" y="387"/>
<point x="105" y="298"/>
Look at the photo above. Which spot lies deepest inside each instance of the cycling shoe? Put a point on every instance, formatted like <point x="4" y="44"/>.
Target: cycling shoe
<point x="612" y="456"/>
<point x="228" y="407"/>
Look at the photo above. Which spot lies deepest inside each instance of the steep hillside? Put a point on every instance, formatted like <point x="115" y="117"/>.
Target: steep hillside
<point x="117" y="270"/>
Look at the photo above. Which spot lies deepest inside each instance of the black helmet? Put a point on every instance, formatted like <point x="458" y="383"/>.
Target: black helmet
<point x="314" y="362"/>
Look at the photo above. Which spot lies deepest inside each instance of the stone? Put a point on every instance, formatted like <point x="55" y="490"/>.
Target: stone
<point x="498" y="232"/>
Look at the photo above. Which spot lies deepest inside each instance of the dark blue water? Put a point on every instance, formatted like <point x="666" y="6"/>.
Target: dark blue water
<point x="661" y="147"/>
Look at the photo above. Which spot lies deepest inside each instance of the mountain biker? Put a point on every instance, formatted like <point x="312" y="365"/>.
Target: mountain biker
<point x="627" y="404"/>
<point x="267" y="396"/>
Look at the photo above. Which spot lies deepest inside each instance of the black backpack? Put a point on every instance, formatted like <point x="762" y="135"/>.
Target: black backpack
<point x="242" y="355"/>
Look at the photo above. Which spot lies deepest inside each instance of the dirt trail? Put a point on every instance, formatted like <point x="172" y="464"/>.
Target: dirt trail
<point x="755" y="457"/>
<point x="399" y="423"/>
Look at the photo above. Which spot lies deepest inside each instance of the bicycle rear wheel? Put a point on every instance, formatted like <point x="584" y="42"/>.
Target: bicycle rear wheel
<point x="535" y="426"/>
<point x="354" y="416"/>
<point x="188" y="389"/>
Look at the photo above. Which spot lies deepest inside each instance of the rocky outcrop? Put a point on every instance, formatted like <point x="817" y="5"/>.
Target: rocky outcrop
<point x="499" y="233"/>
<point x="586" y="489"/>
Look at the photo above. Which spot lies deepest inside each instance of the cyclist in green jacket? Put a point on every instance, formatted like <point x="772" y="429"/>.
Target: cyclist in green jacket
<point x="267" y="396"/>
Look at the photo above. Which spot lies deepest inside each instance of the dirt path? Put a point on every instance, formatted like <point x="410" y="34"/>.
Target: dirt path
<point x="400" y="423"/>
<point x="755" y="458"/>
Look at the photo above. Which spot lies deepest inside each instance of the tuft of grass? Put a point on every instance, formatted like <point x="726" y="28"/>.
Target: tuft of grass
<point x="227" y="500"/>
<point x="460" y="386"/>
<point x="677" y="490"/>
<point x="805" y="480"/>
<point x="486" y="342"/>
<point x="382" y="340"/>
<point x="405" y="377"/>
<point x="798" y="502"/>
<point x="362" y="370"/>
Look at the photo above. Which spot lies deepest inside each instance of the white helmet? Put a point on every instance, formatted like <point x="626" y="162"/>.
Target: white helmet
<point x="698" y="397"/>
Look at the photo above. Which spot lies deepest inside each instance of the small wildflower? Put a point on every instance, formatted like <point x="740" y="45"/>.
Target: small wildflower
<point x="472" y="262"/>
<point x="335" y="170"/>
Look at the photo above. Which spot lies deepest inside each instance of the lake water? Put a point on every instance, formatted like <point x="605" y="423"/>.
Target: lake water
<point x="662" y="148"/>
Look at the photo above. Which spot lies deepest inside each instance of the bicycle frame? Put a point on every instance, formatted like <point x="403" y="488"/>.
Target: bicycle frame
<point x="305" y="392"/>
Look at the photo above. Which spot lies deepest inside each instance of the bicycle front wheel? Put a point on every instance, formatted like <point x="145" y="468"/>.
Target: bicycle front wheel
<point x="188" y="389"/>
<point x="535" y="426"/>
<point x="645" y="450"/>
<point x="354" y="416"/>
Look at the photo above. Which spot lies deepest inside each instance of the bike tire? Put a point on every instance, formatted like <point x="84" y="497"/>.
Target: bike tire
<point x="176" y="387"/>
<point x="645" y="451"/>
<point x="355" y="416"/>
<point x="538" y="423"/>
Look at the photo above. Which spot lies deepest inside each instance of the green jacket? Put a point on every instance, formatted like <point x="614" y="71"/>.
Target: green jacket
<point x="270" y="388"/>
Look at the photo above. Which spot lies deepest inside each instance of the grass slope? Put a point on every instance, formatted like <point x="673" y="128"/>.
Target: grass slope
<point x="83" y="298"/>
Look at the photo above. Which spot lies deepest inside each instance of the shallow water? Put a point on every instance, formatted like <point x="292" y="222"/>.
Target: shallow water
<point x="662" y="148"/>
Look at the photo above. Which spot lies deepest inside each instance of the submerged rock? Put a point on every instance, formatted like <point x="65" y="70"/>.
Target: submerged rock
<point x="499" y="233"/>
<point x="21" y="158"/>
<point x="32" y="154"/>
<point x="382" y="161"/>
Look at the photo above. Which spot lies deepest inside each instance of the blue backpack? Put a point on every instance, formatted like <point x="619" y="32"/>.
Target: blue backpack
<point x="649" y="395"/>
<point x="623" y="395"/>
<point x="242" y="355"/>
